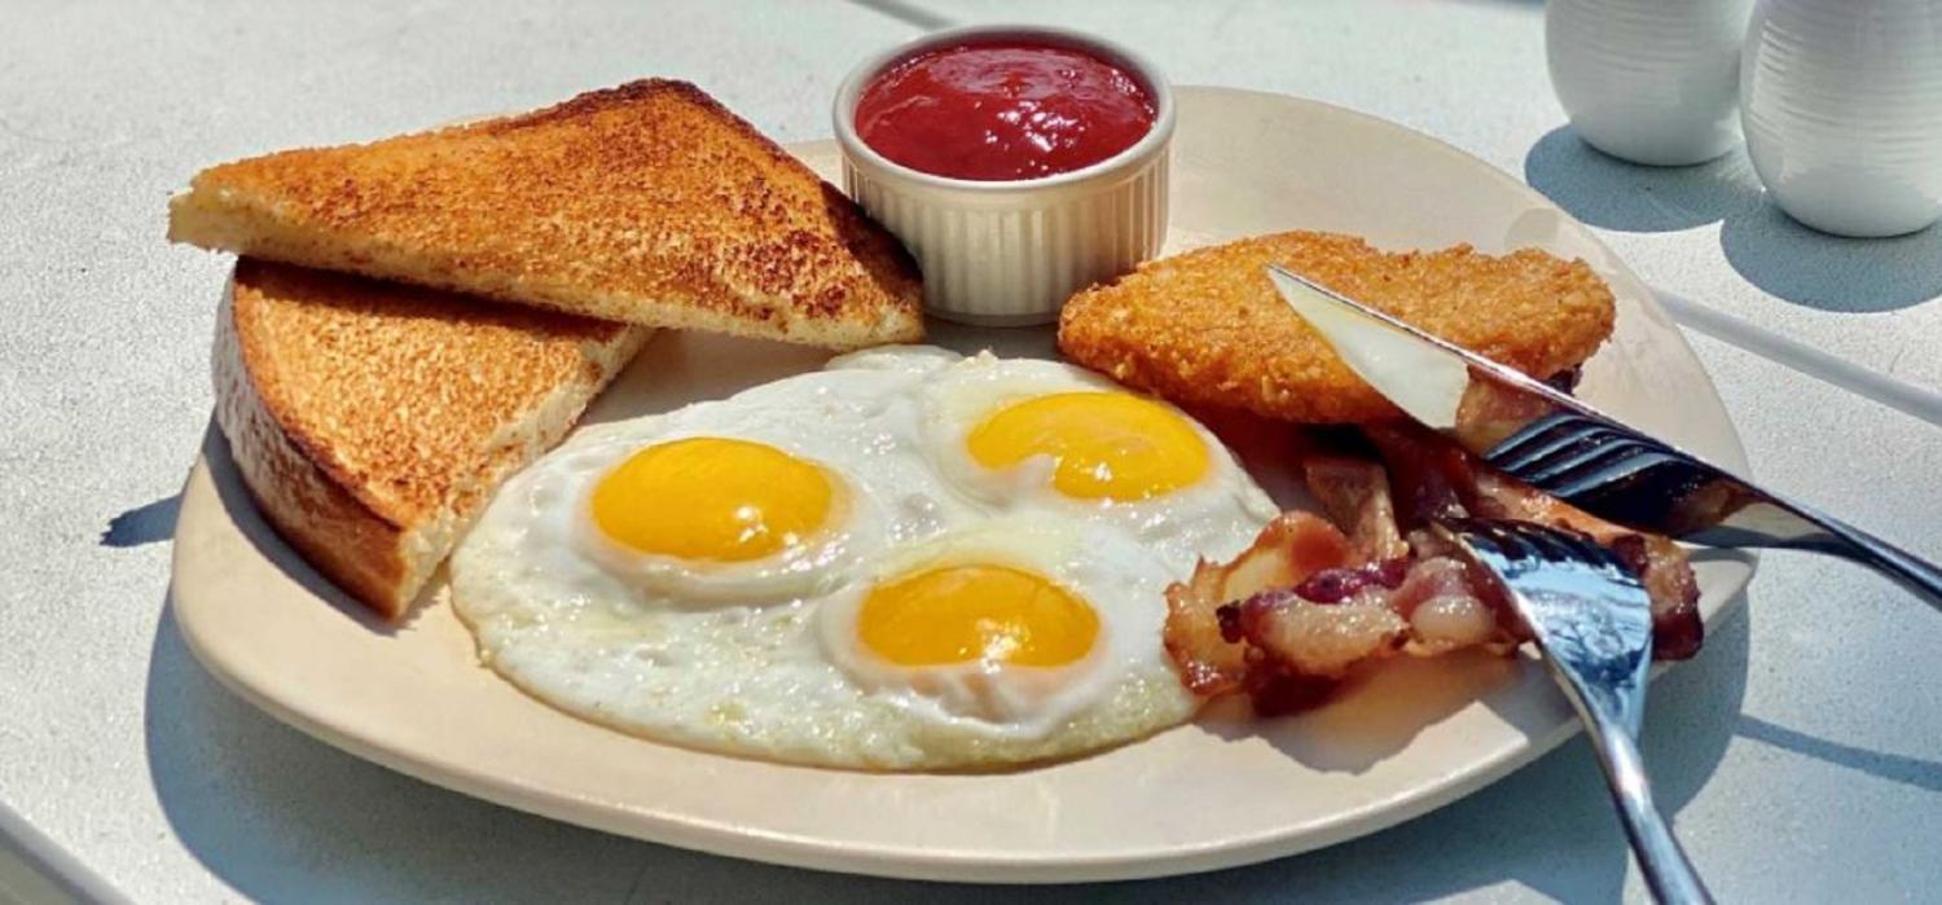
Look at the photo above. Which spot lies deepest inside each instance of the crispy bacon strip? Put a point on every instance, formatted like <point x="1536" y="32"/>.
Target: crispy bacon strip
<point x="1309" y="610"/>
<point x="1287" y="551"/>
<point x="1662" y="565"/>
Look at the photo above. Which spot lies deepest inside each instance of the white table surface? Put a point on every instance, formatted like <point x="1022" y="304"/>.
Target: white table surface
<point x="1801" y="753"/>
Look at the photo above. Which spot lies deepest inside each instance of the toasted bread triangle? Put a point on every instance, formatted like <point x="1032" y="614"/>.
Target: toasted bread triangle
<point x="371" y="421"/>
<point x="648" y="203"/>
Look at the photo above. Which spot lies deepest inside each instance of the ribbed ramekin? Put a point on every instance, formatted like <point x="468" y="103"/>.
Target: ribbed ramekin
<point x="1010" y="253"/>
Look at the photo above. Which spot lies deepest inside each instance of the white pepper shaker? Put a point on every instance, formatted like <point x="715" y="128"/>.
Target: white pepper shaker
<point x="1650" y="81"/>
<point x="1844" y="112"/>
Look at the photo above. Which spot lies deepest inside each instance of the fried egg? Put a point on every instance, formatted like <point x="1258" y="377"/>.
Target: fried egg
<point x="770" y="496"/>
<point x="793" y="574"/>
<point x="1031" y="435"/>
<point x="1018" y="626"/>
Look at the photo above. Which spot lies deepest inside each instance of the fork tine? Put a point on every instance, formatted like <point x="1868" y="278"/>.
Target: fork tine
<point x="1615" y="568"/>
<point x="1567" y="454"/>
<point x="1582" y="455"/>
<point x="1548" y="542"/>
<point x="1523" y="450"/>
<point x="1542" y="432"/>
<point x="1545" y="438"/>
<point x="1512" y="545"/>
<point x="1612" y="463"/>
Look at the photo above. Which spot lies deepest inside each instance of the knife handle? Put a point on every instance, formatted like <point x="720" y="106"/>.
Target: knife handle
<point x="1913" y="572"/>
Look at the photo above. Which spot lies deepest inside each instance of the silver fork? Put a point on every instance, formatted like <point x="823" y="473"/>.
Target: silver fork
<point x="1593" y="625"/>
<point x="1639" y="482"/>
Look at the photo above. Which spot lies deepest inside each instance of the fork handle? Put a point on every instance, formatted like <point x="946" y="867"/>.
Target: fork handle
<point x="1774" y="521"/>
<point x="1668" y="872"/>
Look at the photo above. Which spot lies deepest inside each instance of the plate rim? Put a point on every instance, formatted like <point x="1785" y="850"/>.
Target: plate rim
<point x="709" y="834"/>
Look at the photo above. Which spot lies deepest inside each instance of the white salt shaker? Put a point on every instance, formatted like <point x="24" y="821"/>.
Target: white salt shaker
<point x="1844" y="111"/>
<point x="1650" y="81"/>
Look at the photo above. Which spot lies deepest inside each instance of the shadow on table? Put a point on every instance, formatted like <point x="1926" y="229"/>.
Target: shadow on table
<point x="1768" y="248"/>
<point x="1856" y="276"/>
<point x="283" y="818"/>
<point x="1909" y="771"/>
<point x="1605" y="191"/>
<point x="145" y="524"/>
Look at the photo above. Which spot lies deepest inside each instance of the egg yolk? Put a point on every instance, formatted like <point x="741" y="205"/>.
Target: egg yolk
<point x="958" y="614"/>
<point x="1108" y="445"/>
<point x="709" y="498"/>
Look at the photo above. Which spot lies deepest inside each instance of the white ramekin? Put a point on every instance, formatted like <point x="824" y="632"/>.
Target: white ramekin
<point x="1010" y="253"/>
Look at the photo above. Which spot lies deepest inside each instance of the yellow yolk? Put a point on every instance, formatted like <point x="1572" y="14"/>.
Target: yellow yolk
<point x="712" y="498"/>
<point x="1108" y="445"/>
<point x="957" y="614"/>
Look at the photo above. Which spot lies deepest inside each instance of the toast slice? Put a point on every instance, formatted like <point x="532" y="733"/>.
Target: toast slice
<point x="1207" y="328"/>
<point x="372" y="421"/>
<point x="649" y="203"/>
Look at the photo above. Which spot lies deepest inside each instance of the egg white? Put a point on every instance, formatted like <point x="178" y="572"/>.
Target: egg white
<point x="789" y="682"/>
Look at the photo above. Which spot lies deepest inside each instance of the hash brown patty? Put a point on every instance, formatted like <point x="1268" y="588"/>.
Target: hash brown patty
<point x="1207" y="327"/>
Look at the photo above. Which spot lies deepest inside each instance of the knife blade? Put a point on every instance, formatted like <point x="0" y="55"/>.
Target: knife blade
<point x="1572" y="450"/>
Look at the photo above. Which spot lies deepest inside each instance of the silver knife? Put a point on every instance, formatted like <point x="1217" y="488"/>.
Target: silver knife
<point x="1575" y="452"/>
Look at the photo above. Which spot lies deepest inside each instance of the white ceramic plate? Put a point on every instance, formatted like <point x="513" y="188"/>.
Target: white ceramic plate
<point x="1217" y="792"/>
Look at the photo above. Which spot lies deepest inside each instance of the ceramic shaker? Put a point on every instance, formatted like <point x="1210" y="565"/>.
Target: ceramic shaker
<point x="1843" y="111"/>
<point x="1650" y="81"/>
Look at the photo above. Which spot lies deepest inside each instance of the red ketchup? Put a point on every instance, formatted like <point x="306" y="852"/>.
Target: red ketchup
<point x="1003" y="111"/>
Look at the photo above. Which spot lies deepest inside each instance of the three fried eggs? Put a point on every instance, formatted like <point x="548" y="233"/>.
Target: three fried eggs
<point x="907" y="560"/>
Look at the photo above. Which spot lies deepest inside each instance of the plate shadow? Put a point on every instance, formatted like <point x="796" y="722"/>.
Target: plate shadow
<point x="281" y="817"/>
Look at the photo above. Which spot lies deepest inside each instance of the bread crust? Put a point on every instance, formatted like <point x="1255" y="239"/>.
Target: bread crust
<point x="1208" y="328"/>
<point x="309" y="369"/>
<point x="648" y="203"/>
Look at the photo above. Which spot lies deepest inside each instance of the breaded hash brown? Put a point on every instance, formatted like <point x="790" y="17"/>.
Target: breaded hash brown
<point x="1207" y="327"/>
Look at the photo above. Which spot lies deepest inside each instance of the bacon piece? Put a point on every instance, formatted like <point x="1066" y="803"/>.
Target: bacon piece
<point x="1449" y="607"/>
<point x="1339" y="584"/>
<point x="1488" y="413"/>
<point x="1287" y="551"/>
<point x="1354" y="493"/>
<point x="1319" y="639"/>
<point x="1208" y="664"/>
<point x="1429" y="463"/>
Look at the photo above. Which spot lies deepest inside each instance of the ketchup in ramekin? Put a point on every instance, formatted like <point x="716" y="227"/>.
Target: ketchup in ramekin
<point x="1018" y="163"/>
<point x="1003" y="110"/>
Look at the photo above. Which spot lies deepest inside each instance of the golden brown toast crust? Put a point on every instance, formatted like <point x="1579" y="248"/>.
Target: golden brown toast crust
<point x="371" y="421"/>
<point x="1207" y="327"/>
<point x="648" y="203"/>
